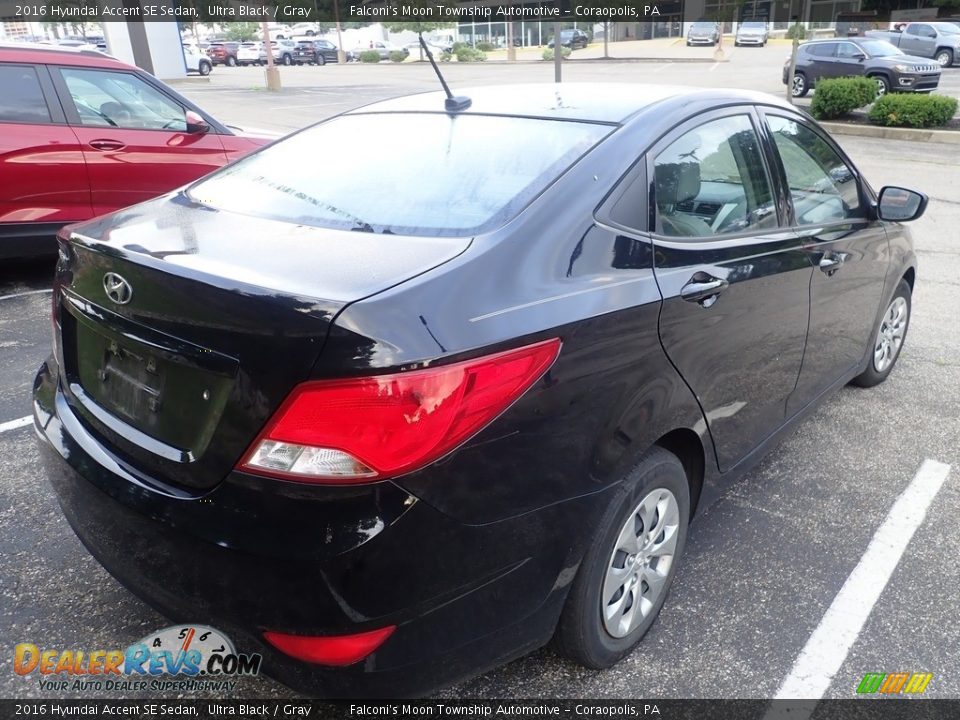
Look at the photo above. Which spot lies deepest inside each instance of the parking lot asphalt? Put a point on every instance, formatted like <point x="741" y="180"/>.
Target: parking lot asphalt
<point x="763" y="564"/>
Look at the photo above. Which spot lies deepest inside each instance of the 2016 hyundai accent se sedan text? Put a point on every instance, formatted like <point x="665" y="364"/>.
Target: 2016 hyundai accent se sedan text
<point x="399" y="426"/>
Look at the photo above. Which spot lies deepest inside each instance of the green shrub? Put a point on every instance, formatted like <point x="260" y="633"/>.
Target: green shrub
<point x="797" y="31"/>
<point x="446" y="56"/>
<point x="913" y="110"/>
<point x="370" y="56"/>
<point x="469" y="54"/>
<point x="459" y="45"/>
<point x="486" y="46"/>
<point x="548" y="53"/>
<point x="397" y="56"/>
<point x="836" y="97"/>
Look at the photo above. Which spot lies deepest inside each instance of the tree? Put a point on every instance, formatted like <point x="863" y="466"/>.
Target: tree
<point x="241" y="31"/>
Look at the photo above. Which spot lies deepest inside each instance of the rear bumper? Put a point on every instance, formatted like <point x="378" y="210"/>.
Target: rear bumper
<point x="255" y="554"/>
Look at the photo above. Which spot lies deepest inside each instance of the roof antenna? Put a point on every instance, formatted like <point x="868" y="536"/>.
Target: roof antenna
<point x="451" y="104"/>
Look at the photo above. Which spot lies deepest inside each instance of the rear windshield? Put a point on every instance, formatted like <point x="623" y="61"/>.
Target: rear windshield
<point x="411" y="174"/>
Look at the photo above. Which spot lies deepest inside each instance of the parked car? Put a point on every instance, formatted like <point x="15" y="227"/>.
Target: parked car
<point x="196" y="61"/>
<point x="937" y="40"/>
<point x="278" y="32"/>
<point x="223" y="53"/>
<point x="572" y="38"/>
<point x="284" y="52"/>
<point x="751" y="32"/>
<point x="703" y="32"/>
<point x="315" y="52"/>
<point x="416" y="51"/>
<point x="383" y="49"/>
<point x="85" y="134"/>
<point x="877" y="59"/>
<point x="305" y="28"/>
<point x="249" y="53"/>
<point x="389" y="444"/>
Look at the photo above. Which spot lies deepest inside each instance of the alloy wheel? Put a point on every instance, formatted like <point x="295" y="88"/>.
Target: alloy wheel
<point x="893" y="327"/>
<point x="944" y="58"/>
<point x="640" y="564"/>
<point x="799" y="85"/>
<point x="881" y="87"/>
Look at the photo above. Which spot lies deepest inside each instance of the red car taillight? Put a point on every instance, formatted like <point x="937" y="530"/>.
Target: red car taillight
<point x="337" y="651"/>
<point x="366" y="429"/>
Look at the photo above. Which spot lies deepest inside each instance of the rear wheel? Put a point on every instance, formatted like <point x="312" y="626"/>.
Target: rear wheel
<point x="321" y="60"/>
<point x="944" y="56"/>
<point x="231" y="61"/>
<point x="888" y="338"/>
<point x="626" y="573"/>
<point x="287" y="60"/>
<point x="800" y="87"/>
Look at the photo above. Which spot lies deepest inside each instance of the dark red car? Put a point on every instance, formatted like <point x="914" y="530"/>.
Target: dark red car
<point x="82" y="134"/>
<point x="223" y="53"/>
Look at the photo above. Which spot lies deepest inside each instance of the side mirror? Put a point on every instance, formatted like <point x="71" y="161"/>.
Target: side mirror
<point x="859" y="57"/>
<point x="196" y="125"/>
<point x="900" y="205"/>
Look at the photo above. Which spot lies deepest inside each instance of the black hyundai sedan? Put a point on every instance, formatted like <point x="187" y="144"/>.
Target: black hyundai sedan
<point x="396" y="427"/>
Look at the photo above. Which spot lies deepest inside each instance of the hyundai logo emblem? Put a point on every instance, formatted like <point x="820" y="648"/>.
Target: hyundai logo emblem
<point x="117" y="288"/>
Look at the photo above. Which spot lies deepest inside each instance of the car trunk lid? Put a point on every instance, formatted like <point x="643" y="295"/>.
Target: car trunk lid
<point x="182" y="328"/>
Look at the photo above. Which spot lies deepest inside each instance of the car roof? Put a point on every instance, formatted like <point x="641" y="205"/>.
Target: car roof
<point x="585" y="102"/>
<point x="57" y="55"/>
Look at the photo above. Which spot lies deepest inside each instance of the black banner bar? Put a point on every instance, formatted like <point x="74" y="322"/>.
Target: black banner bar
<point x="874" y="708"/>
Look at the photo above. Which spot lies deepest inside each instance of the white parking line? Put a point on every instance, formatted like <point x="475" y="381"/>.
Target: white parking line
<point x="15" y="424"/>
<point x="25" y="293"/>
<point x="827" y="648"/>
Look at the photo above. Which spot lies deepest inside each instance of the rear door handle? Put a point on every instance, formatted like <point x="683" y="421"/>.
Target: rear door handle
<point x="703" y="289"/>
<point x="106" y="144"/>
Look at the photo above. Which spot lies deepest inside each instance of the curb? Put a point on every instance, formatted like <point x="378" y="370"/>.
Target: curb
<point x="948" y="137"/>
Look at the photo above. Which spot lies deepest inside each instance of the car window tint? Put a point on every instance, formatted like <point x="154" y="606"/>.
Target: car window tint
<point x="822" y="50"/>
<point x="712" y="181"/>
<point x="451" y="175"/>
<point x="21" y="99"/>
<point x="116" y="99"/>
<point x="823" y="187"/>
<point x="848" y="50"/>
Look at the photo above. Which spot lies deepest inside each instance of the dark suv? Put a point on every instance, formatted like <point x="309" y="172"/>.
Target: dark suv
<point x="572" y="39"/>
<point x="318" y="52"/>
<point x="223" y="53"/>
<point x="888" y="65"/>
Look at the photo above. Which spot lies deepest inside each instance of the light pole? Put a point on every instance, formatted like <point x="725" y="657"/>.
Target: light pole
<point x="273" y="72"/>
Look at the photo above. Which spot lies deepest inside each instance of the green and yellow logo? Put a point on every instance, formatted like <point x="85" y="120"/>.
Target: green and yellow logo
<point x="894" y="683"/>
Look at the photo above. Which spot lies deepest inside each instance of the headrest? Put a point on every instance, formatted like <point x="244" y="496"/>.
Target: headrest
<point x="677" y="182"/>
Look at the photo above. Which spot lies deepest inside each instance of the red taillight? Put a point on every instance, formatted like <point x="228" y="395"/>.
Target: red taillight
<point x="369" y="428"/>
<point x="334" y="650"/>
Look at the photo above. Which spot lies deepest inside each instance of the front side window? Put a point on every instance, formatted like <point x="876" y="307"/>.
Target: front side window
<point x="824" y="189"/>
<point x="451" y="176"/>
<point x="21" y="99"/>
<point x="712" y="181"/>
<point x="117" y="99"/>
<point x="848" y="51"/>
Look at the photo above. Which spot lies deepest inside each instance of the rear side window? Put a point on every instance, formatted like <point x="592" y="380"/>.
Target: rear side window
<point x="449" y="175"/>
<point x="21" y="99"/>
<point x="712" y="180"/>
<point x="821" y="49"/>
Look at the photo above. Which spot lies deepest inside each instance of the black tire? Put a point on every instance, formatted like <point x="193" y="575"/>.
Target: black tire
<point x="231" y="61"/>
<point x="944" y="57"/>
<point x="204" y="67"/>
<point x="799" y="80"/>
<point x="883" y="85"/>
<point x="287" y="60"/>
<point x="688" y="43"/>
<point x="581" y="633"/>
<point x="321" y="60"/>
<point x="873" y="376"/>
